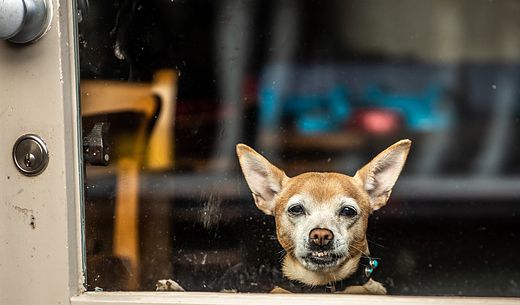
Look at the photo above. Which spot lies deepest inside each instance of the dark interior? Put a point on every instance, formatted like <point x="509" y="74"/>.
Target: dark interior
<point x="451" y="226"/>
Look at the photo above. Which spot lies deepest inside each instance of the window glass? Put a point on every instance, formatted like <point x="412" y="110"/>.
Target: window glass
<point x="168" y="88"/>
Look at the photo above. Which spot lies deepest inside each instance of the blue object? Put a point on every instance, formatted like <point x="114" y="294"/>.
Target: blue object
<point x="375" y="263"/>
<point x="313" y="112"/>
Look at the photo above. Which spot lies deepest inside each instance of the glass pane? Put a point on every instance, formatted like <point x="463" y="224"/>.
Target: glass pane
<point x="169" y="88"/>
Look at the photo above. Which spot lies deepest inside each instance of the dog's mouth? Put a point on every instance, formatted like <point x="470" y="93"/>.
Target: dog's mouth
<point x="323" y="259"/>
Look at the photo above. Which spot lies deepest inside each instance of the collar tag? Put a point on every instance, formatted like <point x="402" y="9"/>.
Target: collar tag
<point x="372" y="265"/>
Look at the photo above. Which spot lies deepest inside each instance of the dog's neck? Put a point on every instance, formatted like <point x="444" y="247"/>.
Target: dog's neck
<point x="293" y="270"/>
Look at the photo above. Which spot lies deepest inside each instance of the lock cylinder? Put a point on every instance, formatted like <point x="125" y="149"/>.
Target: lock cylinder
<point x="30" y="155"/>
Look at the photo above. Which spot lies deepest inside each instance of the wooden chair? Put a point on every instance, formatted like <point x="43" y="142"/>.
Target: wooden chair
<point x="152" y="149"/>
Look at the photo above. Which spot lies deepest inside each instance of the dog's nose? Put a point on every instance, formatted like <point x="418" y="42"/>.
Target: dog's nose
<point x="321" y="237"/>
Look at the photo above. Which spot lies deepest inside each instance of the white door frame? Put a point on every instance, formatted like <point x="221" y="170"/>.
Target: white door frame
<point x="40" y="256"/>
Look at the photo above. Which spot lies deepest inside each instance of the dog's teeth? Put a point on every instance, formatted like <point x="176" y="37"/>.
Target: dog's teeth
<point x="320" y="253"/>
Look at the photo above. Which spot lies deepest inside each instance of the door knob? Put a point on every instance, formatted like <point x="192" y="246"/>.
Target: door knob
<point x="23" y="21"/>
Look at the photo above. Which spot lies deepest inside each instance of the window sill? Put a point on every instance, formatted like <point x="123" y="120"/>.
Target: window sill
<point x="138" y="298"/>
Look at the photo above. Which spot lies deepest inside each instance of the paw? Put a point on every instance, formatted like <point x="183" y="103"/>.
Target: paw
<point x="168" y="285"/>
<point x="374" y="287"/>
<point x="279" y="290"/>
<point x="371" y="287"/>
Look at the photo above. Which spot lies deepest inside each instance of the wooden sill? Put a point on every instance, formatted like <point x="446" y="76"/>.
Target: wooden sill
<point x="210" y="298"/>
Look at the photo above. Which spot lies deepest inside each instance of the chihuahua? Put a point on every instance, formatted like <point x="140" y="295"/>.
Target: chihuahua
<point x="321" y="219"/>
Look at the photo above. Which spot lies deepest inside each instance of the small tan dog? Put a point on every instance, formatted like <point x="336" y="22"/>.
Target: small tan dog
<point x="321" y="219"/>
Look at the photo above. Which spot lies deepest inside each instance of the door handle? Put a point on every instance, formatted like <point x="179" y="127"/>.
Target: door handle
<point x="23" y="21"/>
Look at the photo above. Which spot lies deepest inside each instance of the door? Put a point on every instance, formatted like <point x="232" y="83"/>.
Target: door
<point x="39" y="258"/>
<point x="42" y="246"/>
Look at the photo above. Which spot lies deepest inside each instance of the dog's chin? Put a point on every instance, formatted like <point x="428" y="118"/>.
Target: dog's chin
<point x="322" y="260"/>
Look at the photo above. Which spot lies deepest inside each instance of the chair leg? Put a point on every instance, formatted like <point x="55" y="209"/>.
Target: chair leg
<point x="126" y="234"/>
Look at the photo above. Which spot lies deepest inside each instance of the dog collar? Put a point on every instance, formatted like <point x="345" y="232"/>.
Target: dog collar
<point x="365" y="270"/>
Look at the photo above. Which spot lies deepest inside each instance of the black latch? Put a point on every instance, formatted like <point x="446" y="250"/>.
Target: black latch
<point x="96" y="150"/>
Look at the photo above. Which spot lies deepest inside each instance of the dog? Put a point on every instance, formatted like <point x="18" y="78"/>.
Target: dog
<point x="321" y="220"/>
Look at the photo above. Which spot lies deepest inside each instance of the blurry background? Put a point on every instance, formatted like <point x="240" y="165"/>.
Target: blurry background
<point x="169" y="87"/>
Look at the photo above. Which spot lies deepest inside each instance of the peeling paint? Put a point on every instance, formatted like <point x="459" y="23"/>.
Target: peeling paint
<point x="81" y="283"/>
<point x="23" y="211"/>
<point x="28" y="213"/>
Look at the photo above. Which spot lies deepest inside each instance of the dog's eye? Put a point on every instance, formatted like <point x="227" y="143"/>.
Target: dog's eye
<point x="348" y="211"/>
<point x="296" y="209"/>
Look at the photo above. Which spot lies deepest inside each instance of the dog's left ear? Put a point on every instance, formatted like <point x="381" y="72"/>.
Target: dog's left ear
<point x="379" y="176"/>
<point x="264" y="179"/>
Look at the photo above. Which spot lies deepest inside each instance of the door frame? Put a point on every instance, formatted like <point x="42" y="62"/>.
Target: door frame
<point x="40" y="216"/>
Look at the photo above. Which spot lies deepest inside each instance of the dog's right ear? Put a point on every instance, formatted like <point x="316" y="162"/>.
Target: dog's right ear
<point x="264" y="179"/>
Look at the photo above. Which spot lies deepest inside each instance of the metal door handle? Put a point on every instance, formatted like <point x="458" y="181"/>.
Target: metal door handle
<point x="23" y="21"/>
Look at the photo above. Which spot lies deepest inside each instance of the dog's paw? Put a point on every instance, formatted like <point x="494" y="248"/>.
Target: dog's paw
<point x="371" y="287"/>
<point x="168" y="285"/>
<point x="374" y="287"/>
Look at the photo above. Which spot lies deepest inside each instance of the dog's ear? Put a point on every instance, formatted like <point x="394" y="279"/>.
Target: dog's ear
<point x="379" y="175"/>
<point x="264" y="179"/>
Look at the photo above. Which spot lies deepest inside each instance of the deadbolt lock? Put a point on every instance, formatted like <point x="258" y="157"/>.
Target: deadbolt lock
<point x="30" y="155"/>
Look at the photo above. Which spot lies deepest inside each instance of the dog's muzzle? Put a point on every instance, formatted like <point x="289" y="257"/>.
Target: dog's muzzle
<point x="321" y="252"/>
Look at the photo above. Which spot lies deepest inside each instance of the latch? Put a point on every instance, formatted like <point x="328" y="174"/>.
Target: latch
<point x="96" y="150"/>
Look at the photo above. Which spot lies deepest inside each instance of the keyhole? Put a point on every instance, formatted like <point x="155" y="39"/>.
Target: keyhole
<point x="29" y="160"/>
<point x="30" y="154"/>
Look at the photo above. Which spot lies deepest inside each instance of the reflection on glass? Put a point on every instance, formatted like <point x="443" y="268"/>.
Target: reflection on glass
<point x="168" y="88"/>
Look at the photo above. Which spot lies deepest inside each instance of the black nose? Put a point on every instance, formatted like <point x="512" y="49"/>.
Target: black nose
<point x="321" y="237"/>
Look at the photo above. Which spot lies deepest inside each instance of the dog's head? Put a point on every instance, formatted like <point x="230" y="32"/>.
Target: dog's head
<point x="321" y="218"/>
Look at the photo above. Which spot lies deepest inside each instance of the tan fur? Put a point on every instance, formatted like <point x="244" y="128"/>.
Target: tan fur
<point x="370" y="188"/>
<point x="295" y="271"/>
<point x="322" y="186"/>
<point x="371" y="287"/>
